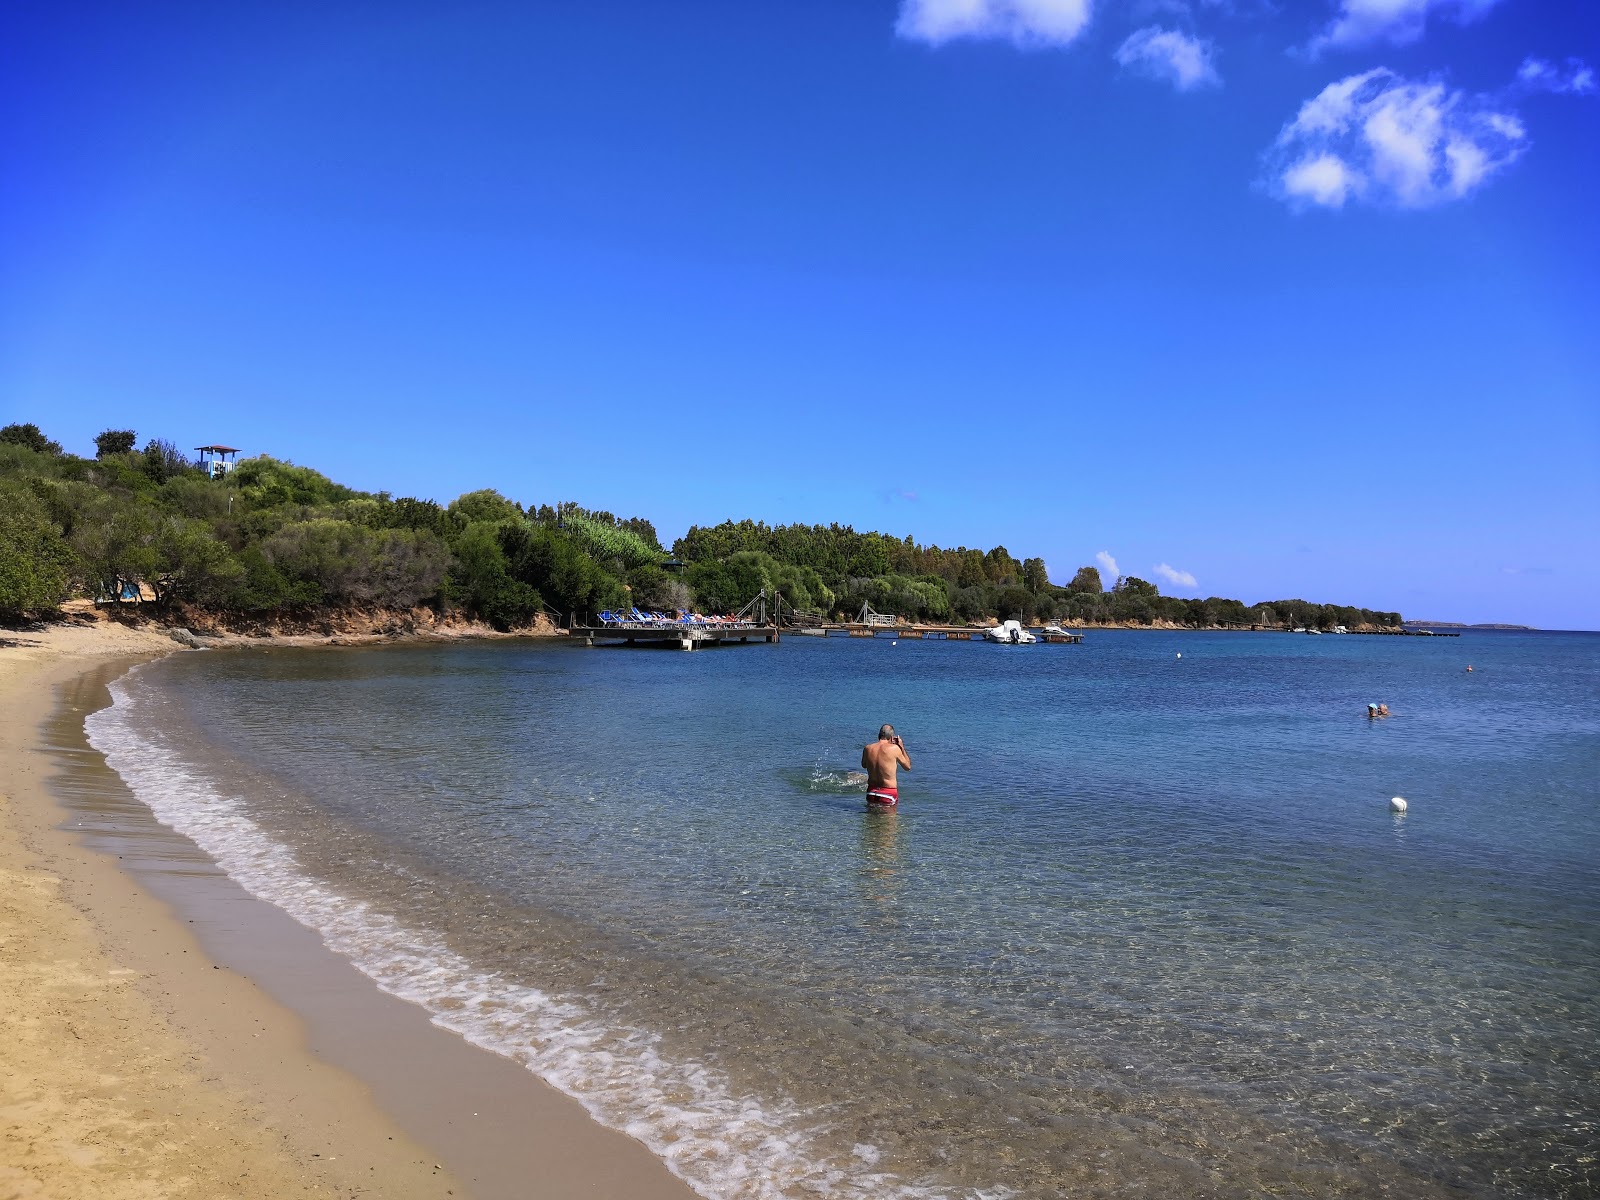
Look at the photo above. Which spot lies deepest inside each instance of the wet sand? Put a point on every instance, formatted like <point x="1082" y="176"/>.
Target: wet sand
<point x="168" y="1035"/>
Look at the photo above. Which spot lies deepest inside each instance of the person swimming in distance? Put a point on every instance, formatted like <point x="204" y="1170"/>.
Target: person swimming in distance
<point x="1383" y="710"/>
<point x="881" y="759"/>
<point x="1372" y="711"/>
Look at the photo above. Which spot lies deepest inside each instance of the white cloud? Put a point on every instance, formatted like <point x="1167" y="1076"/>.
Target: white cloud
<point x="1176" y="577"/>
<point x="1388" y="140"/>
<point x="1023" y="22"/>
<point x="1361" y="22"/>
<point x="1324" y="179"/>
<point x="1108" y="569"/>
<point x="1537" y="75"/>
<point x="1171" y="56"/>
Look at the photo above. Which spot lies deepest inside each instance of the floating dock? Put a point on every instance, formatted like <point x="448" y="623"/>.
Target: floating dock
<point x="940" y="633"/>
<point x="685" y="636"/>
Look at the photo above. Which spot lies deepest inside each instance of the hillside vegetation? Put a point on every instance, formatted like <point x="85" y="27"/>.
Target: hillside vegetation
<point x="275" y="538"/>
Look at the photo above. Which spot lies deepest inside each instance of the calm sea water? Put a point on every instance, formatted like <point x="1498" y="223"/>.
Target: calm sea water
<point x="1144" y="923"/>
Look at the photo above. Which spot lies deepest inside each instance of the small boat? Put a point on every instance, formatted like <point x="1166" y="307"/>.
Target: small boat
<point x="1009" y="633"/>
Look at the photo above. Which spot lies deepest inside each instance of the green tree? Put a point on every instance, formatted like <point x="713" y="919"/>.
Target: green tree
<point x="620" y="548"/>
<point x="35" y="561"/>
<point x="163" y="460"/>
<point x="1034" y="576"/>
<point x="1086" y="581"/>
<point x="264" y="482"/>
<point x="485" y="504"/>
<point x="29" y="435"/>
<point x="548" y="561"/>
<point x="115" y="542"/>
<point x="481" y="579"/>
<point x="190" y="564"/>
<point x="114" y="441"/>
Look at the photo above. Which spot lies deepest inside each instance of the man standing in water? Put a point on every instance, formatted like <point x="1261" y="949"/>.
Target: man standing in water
<point x="881" y="760"/>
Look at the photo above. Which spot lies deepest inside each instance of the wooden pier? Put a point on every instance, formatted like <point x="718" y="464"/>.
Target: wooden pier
<point x="684" y="636"/>
<point x="941" y="633"/>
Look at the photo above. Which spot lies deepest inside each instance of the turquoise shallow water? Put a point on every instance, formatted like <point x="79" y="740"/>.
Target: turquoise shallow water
<point x="1144" y="922"/>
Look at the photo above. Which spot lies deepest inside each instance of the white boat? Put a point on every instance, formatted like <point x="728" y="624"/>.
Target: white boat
<point x="1054" y="630"/>
<point x="1010" y="633"/>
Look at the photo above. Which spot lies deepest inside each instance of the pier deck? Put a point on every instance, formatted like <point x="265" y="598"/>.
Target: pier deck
<point x="942" y="633"/>
<point x="685" y="637"/>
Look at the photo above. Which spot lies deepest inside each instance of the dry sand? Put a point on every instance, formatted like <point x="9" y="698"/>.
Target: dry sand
<point x="165" y="1035"/>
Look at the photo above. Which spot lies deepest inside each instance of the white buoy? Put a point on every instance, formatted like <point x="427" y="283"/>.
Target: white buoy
<point x="1397" y="804"/>
<point x="1180" y="654"/>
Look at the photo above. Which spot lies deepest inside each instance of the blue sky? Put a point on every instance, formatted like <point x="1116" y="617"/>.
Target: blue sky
<point x="1288" y="299"/>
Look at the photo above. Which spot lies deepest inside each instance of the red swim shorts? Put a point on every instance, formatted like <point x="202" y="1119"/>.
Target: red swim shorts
<point x="886" y="796"/>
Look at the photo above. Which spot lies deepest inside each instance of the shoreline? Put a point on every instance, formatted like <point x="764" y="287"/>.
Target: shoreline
<point x="170" y="1035"/>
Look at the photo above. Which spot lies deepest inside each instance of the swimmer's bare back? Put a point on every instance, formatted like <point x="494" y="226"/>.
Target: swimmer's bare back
<point x="882" y="760"/>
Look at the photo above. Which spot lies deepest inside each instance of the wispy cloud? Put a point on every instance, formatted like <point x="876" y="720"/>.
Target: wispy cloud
<point x="1362" y="22"/>
<point x="1537" y="75"/>
<point x="1170" y="56"/>
<point x="1528" y="570"/>
<point x="1176" y="577"/>
<point x="1025" y="23"/>
<point x="1109" y="574"/>
<point x="1386" y="140"/>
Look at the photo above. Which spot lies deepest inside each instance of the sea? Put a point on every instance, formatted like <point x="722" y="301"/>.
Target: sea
<point x="1144" y="924"/>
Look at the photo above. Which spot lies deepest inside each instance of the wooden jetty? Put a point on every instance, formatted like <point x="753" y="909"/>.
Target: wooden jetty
<point x="940" y="633"/>
<point x="689" y="636"/>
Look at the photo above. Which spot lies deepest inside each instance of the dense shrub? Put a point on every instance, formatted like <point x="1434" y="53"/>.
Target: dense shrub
<point x="350" y="564"/>
<point x="35" y="561"/>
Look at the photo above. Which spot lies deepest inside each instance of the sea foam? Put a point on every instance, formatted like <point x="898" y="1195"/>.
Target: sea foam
<point x="724" y="1144"/>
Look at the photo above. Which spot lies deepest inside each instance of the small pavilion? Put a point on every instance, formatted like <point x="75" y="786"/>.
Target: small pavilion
<point x="217" y="461"/>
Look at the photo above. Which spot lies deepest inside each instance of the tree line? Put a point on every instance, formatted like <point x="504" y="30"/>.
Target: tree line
<point x="270" y="537"/>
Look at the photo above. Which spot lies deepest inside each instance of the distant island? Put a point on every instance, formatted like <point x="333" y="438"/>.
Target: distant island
<point x="1460" y="625"/>
<point x="263" y="542"/>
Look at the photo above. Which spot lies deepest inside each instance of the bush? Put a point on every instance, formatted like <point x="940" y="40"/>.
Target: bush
<point x="113" y="441"/>
<point x="611" y="544"/>
<point x="35" y="561"/>
<point x="485" y="504"/>
<point x="481" y="579"/>
<point x="552" y="564"/>
<point x="191" y="564"/>
<point x="163" y="460"/>
<point x="262" y="587"/>
<point x="350" y="564"/>
<point x="264" y="482"/>
<point x="31" y="437"/>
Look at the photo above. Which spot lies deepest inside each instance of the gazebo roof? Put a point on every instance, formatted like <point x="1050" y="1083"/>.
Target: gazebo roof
<point x="218" y="449"/>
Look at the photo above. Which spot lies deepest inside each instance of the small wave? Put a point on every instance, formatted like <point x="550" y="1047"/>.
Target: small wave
<point x="722" y="1143"/>
<point x="822" y="779"/>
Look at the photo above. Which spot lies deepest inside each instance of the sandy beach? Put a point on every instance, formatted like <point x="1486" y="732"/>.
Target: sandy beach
<point x="167" y="1035"/>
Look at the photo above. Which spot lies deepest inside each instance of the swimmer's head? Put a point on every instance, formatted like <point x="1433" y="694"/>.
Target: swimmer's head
<point x="885" y="733"/>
